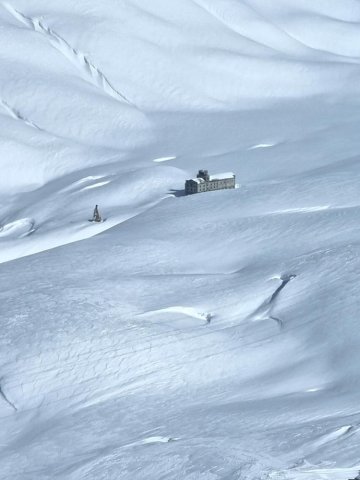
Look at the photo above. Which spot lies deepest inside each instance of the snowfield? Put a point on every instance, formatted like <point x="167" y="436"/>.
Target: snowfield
<point x="203" y="337"/>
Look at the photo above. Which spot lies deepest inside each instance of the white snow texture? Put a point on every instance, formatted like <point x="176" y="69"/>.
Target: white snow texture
<point x="202" y="337"/>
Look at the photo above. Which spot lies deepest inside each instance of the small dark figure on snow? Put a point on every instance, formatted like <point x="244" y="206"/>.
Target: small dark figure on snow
<point x="96" y="215"/>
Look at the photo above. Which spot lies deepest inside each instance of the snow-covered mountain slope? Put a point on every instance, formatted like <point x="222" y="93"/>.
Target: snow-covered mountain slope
<point x="212" y="336"/>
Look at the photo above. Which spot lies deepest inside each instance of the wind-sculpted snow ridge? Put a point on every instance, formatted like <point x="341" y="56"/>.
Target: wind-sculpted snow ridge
<point x="310" y="472"/>
<point x="188" y="311"/>
<point x="14" y="113"/>
<point x="5" y="398"/>
<point x="18" y="228"/>
<point x="88" y="70"/>
<point x="262" y="145"/>
<point x="276" y="35"/>
<point x="265" y="311"/>
<point x="335" y="435"/>
<point x="121" y="196"/>
<point x="163" y="159"/>
<point x="271" y="37"/>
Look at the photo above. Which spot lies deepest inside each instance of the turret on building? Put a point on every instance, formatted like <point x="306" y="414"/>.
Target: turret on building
<point x="207" y="183"/>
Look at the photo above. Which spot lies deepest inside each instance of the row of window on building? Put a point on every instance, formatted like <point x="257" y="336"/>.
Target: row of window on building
<point x="205" y="182"/>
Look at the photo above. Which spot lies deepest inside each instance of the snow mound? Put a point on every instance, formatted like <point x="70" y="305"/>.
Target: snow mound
<point x="18" y="228"/>
<point x="152" y="440"/>
<point x="188" y="311"/>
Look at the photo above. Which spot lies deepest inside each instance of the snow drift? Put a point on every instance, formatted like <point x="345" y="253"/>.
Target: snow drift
<point x="212" y="336"/>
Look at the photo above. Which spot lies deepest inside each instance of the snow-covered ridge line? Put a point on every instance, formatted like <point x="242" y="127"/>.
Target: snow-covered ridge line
<point x="88" y="70"/>
<point x="6" y="400"/>
<point x="229" y="13"/>
<point x="265" y="310"/>
<point x="17" y="115"/>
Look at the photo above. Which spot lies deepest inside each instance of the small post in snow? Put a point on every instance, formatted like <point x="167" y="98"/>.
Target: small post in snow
<point x="96" y="215"/>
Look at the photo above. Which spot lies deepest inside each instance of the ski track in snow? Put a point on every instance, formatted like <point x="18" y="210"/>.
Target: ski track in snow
<point x="14" y="113"/>
<point x="88" y="70"/>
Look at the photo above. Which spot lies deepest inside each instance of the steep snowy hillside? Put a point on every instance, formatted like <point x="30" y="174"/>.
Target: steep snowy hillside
<point x="210" y="336"/>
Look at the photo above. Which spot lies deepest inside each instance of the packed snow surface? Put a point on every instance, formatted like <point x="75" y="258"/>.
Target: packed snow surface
<point x="204" y="337"/>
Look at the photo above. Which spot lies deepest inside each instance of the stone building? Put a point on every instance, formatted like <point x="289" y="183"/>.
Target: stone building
<point x="206" y="183"/>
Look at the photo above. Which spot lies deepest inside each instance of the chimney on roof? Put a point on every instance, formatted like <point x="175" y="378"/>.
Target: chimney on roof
<point x="204" y="174"/>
